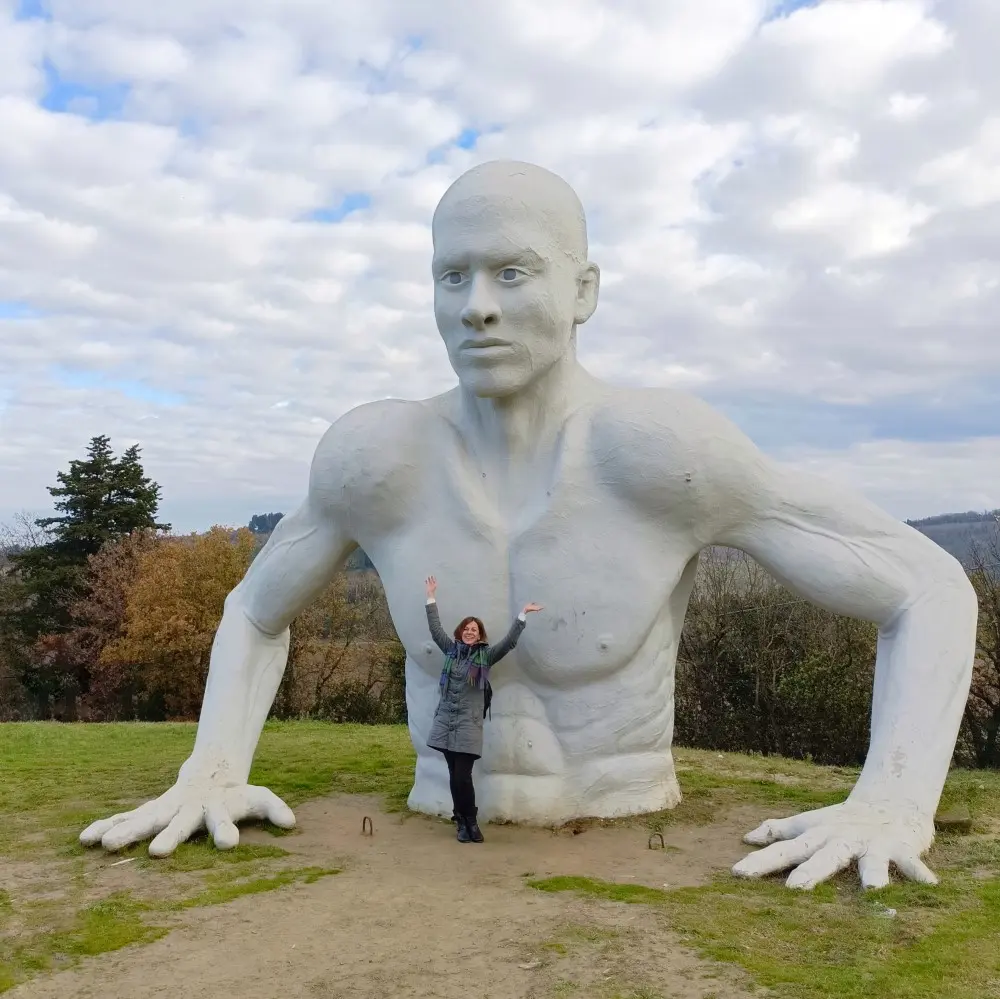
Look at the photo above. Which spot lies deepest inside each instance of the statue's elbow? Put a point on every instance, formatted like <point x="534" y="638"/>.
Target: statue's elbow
<point x="967" y="592"/>
<point x="233" y="600"/>
<point x="953" y="592"/>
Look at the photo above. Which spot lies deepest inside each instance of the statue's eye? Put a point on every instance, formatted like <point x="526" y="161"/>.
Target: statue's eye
<point x="453" y="277"/>
<point x="508" y="274"/>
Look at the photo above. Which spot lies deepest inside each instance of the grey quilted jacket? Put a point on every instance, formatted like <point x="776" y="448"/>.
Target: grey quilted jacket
<point x="458" y="720"/>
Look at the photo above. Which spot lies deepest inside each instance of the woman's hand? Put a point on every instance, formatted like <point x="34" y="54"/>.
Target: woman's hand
<point x="532" y="608"/>
<point x="432" y="586"/>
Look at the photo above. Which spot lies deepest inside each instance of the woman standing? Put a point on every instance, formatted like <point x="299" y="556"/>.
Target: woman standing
<point x="457" y="730"/>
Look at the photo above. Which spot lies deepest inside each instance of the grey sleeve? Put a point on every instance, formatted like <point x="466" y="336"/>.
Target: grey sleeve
<point x="507" y="643"/>
<point x="440" y="636"/>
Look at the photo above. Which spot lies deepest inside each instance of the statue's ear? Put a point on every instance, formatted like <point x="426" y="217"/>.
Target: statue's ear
<point x="588" y="286"/>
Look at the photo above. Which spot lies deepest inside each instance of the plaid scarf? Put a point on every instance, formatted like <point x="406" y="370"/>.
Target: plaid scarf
<point x="477" y="656"/>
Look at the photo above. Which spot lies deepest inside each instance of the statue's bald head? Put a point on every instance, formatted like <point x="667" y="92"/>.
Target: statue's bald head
<point x="511" y="276"/>
<point x="516" y="191"/>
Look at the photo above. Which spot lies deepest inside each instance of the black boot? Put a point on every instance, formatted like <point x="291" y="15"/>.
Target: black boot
<point x="462" y="830"/>
<point x="472" y="828"/>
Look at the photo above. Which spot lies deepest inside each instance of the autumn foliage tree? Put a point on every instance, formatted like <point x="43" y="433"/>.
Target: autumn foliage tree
<point x="173" y="608"/>
<point x="345" y="662"/>
<point x="115" y="690"/>
<point x="152" y="611"/>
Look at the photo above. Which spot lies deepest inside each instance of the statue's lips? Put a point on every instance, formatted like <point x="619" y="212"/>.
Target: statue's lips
<point x="487" y="347"/>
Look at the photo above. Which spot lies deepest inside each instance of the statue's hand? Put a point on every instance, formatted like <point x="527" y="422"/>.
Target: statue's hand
<point x="195" y="802"/>
<point x="820" y="843"/>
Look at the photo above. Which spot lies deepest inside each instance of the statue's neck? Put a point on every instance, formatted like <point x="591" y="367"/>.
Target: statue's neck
<point x="524" y="426"/>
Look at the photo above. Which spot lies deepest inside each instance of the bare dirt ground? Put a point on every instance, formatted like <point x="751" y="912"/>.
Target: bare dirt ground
<point x="416" y="914"/>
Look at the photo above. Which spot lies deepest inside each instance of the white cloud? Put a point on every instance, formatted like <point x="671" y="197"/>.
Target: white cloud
<point x="796" y="216"/>
<point x="906" y="106"/>
<point x="846" y="48"/>
<point x="865" y="222"/>
<point x="968" y="177"/>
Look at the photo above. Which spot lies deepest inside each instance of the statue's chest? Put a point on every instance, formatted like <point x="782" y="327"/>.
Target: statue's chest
<point x="602" y="572"/>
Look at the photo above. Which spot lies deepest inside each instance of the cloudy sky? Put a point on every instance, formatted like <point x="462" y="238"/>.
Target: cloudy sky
<point x="214" y="224"/>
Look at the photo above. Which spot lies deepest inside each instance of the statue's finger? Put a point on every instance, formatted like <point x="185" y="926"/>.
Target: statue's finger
<point x="94" y="833"/>
<point x="874" y="869"/>
<point x="145" y="822"/>
<point x="912" y="867"/>
<point x="823" y="864"/>
<point x="220" y="825"/>
<point x="181" y="828"/>
<point x="773" y="830"/>
<point x="765" y="834"/>
<point x="778" y="856"/>
<point x="262" y="803"/>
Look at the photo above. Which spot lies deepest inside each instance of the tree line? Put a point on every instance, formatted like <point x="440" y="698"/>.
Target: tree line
<point x="107" y="615"/>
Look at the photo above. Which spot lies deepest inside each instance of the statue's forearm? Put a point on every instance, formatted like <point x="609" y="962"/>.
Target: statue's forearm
<point x="244" y="673"/>
<point x="922" y="677"/>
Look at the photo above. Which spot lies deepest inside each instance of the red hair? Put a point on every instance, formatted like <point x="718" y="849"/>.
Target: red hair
<point x="470" y="620"/>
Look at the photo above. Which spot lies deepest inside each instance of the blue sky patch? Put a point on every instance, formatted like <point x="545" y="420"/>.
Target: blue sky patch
<point x="94" y="102"/>
<point x="784" y="8"/>
<point x="30" y="10"/>
<point x="356" y="201"/>
<point x="131" y="388"/>
<point x="468" y="138"/>
<point x="17" y="310"/>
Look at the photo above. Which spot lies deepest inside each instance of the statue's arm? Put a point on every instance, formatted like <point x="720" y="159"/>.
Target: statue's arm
<point x="248" y="659"/>
<point x="841" y="552"/>
<point x="835" y="548"/>
<point x="250" y="650"/>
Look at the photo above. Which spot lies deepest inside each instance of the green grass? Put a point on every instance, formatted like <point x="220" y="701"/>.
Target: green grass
<point x="59" y="778"/>
<point x="943" y="943"/>
<point x="224" y="890"/>
<point x="837" y="941"/>
<point x="119" y="920"/>
<point x="199" y="855"/>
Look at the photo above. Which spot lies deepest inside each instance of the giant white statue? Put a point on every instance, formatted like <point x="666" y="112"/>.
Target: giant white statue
<point x="532" y="478"/>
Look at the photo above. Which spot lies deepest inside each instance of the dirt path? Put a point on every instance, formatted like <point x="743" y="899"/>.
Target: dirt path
<point x="417" y="914"/>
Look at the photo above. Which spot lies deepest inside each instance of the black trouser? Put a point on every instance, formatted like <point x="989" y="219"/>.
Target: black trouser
<point x="463" y="793"/>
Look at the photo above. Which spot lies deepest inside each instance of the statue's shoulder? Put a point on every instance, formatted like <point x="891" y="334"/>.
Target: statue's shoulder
<point x="373" y="446"/>
<point x="668" y="443"/>
<point x="664" y="419"/>
<point x="391" y="424"/>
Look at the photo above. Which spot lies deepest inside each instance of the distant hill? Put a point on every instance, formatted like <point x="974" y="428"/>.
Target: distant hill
<point x="956" y="533"/>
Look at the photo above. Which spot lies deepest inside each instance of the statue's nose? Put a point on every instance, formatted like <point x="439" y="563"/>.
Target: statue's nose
<point x="481" y="311"/>
<point x="480" y="319"/>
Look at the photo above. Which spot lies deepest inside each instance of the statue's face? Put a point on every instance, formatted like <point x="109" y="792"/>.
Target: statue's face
<point x="506" y="297"/>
